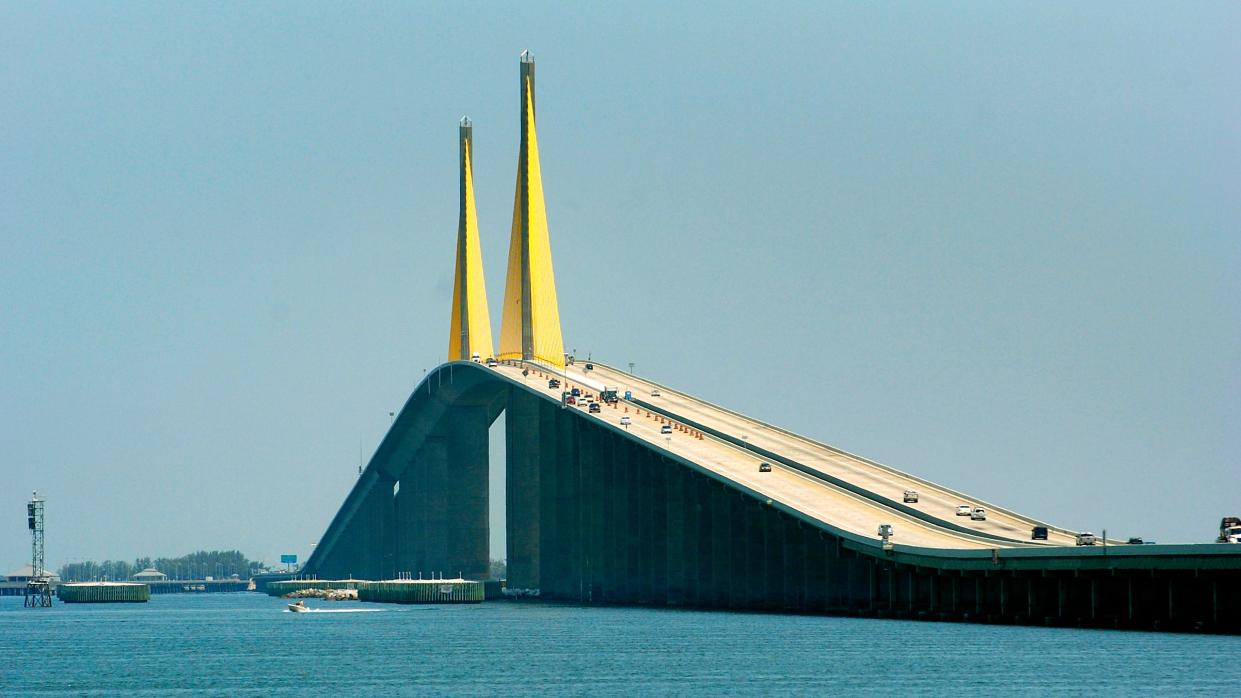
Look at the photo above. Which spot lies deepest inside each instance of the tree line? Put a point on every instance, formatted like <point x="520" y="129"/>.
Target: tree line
<point x="220" y="564"/>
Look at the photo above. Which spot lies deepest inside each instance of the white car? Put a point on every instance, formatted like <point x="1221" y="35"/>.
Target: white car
<point x="1086" y="538"/>
<point x="979" y="514"/>
<point x="625" y="421"/>
<point x="964" y="510"/>
<point x="910" y="497"/>
<point x="666" y="429"/>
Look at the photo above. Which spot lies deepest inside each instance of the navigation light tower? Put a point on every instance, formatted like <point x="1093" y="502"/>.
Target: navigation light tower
<point x="38" y="586"/>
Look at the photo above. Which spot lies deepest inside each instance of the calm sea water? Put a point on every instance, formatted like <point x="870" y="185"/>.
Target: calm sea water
<point x="246" y="644"/>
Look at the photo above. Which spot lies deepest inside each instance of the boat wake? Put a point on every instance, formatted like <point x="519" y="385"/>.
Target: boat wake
<point x="339" y="610"/>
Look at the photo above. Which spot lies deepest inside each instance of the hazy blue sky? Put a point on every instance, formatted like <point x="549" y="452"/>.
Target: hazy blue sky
<point x="997" y="245"/>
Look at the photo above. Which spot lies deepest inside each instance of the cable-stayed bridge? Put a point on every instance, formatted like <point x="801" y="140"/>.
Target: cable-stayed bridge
<point x="661" y="498"/>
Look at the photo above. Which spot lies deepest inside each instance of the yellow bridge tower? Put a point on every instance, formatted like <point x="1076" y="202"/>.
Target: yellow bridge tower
<point x="470" y="331"/>
<point x="530" y="325"/>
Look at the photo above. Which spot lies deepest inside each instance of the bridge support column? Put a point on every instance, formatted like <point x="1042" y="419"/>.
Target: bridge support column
<point x="773" y="559"/>
<point x="432" y="487"/>
<point x="1094" y="598"/>
<point x="636" y="559"/>
<point x="708" y="585"/>
<point x="674" y="513"/>
<point x="367" y="545"/>
<point x="1214" y="600"/>
<point x="465" y="481"/>
<point x="609" y="564"/>
<point x="559" y="528"/>
<point x="624" y="538"/>
<point x="721" y="547"/>
<point x="377" y="541"/>
<point x="835" y="576"/>
<point x="815" y="571"/>
<point x="591" y="443"/>
<point x="1171" y="599"/>
<point x="408" y="531"/>
<point x="644" y="570"/>
<point x="794" y="564"/>
<point x="690" y="519"/>
<point x="660" y="472"/>
<point x="741" y="571"/>
<point x="523" y="490"/>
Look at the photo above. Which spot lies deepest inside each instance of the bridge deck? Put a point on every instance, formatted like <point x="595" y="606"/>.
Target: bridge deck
<point x="935" y="500"/>
<point x="812" y="496"/>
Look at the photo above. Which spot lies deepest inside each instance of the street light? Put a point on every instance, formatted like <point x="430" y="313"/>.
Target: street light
<point x="631" y="368"/>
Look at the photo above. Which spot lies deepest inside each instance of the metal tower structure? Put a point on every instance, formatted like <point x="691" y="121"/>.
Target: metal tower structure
<point x="38" y="587"/>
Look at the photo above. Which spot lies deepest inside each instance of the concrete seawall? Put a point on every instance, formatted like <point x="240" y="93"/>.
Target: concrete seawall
<point x="422" y="591"/>
<point x="104" y="592"/>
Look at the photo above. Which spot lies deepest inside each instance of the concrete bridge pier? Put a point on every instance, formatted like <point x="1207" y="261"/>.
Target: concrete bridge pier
<point x="523" y="501"/>
<point x="430" y="518"/>
<point x="466" y="500"/>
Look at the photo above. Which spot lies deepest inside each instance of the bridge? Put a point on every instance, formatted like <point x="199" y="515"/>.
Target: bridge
<point x="661" y="498"/>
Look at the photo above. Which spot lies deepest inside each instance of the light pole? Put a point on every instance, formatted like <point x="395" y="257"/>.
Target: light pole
<point x="631" y="368"/>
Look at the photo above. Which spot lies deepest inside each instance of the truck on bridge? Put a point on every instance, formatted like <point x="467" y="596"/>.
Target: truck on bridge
<point x="1229" y="530"/>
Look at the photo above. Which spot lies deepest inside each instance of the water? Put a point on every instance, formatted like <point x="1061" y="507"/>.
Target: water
<point x="247" y="644"/>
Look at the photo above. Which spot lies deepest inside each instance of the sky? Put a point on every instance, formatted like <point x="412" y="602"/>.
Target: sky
<point x="996" y="245"/>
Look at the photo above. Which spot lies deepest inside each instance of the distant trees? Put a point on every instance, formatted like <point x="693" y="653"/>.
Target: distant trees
<point x="204" y="563"/>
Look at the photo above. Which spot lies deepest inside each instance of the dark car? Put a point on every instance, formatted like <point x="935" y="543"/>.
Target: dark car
<point x="764" y="467"/>
<point x="1136" y="541"/>
<point x="553" y="383"/>
<point x="576" y="392"/>
<point x="594" y="407"/>
<point x="1039" y="533"/>
<point x="590" y="367"/>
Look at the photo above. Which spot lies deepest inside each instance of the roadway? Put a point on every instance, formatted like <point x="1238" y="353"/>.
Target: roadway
<point x="814" y="497"/>
<point x="933" y="499"/>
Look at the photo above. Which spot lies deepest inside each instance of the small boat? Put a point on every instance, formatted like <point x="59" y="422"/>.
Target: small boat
<point x="299" y="607"/>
